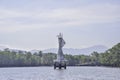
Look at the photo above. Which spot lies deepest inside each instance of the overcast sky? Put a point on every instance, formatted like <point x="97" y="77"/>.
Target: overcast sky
<point x="34" y="24"/>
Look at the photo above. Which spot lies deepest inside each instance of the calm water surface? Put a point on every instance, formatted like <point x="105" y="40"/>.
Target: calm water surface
<point x="71" y="73"/>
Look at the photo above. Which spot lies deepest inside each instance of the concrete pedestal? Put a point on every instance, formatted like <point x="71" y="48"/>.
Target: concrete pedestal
<point x="60" y="64"/>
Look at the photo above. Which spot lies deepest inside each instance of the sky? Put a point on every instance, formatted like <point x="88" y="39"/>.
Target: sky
<point x="35" y="24"/>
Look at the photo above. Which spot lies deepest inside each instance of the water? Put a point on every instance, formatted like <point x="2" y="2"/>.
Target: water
<point x="71" y="73"/>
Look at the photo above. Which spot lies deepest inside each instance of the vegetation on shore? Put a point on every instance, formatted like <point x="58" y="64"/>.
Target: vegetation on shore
<point x="111" y="57"/>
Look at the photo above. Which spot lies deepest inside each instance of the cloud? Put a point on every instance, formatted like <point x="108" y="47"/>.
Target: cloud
<point x="14" y="20"/>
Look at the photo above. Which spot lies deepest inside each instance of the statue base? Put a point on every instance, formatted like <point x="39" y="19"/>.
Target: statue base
<point x="60" y="64"/>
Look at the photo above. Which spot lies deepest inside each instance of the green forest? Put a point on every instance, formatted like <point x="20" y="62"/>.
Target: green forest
<point x="111" y="57"/>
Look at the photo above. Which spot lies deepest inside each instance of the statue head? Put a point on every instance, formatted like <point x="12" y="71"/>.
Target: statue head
<point x="60" y="35"/>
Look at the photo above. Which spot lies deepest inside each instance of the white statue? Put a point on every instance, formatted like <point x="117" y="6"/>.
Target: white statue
<point x="60" y="61"/>
<point x="61" y="42"/>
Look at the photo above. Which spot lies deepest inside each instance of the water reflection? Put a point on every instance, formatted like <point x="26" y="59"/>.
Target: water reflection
<point x="71" y="73"/>
<point x="59" y="74"/>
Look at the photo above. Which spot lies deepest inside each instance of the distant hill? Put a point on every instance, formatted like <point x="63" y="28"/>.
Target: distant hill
<point x="2" y="48"/>
<point x="72" y="51"/>
<point x="85" y="51"/>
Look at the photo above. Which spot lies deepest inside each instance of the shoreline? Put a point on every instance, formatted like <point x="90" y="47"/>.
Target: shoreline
<point x="52" y="66"/>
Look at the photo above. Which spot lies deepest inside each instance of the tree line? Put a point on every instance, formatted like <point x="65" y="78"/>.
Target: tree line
<point x="111" y="57"/>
